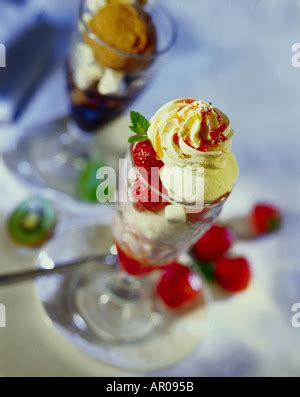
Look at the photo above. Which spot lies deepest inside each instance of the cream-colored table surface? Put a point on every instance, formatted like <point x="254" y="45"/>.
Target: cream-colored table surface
<point x="250" y="334"/>
<point x="30" y="345"/>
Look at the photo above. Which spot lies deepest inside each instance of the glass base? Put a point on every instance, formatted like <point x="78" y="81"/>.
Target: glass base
<point x="51" y="156"/>
<point x="117" y="308"/>
<point x="87" y="308"/>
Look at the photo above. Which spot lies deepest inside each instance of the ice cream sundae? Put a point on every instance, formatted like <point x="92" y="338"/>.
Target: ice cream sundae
<point x="188" y="146"/>
<point x="117" y="44"/>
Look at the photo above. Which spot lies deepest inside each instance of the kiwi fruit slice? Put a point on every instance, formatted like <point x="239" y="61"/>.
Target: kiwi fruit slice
<point x="32" y="223"/>
<point x="87" y="183"/>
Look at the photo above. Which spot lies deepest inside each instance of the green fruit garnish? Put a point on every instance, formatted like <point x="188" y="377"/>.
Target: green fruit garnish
<point x="88" y="183"/>
<point x="32" y="222"/>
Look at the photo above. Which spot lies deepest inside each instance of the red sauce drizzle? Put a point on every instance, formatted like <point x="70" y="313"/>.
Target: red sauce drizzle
<point x="176" y="139"/>
<point x="216" y="134"/>
<point x="204" y="145"/>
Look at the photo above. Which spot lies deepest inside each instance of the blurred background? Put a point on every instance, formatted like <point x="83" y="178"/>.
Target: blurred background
<point x="236" y="54"/>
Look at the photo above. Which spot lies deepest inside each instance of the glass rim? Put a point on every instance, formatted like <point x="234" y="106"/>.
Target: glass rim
<point x="168" y="199"/>
<point x="154" y="55"/>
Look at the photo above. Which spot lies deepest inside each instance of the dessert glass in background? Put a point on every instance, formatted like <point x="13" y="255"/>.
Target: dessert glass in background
<point x="152" y="229"/>
<point x="111" y="57"/>
<point x="114" y="53"/>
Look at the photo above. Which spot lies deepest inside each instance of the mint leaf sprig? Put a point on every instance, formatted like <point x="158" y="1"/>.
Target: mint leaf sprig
<point x="139" y="125"/>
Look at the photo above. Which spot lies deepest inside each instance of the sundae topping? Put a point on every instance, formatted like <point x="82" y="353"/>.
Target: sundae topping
<point x="123" y="27"/>
<point x="186" y="131"/>
<point x="145" y="198"/>
<point x="111" y="82"/>
<point x="139" y="125"/>
<point x="85" y="75"/>
<point x="94" y="5"/>
<point x="190" y="139"/>
<point x="145" y="156"/>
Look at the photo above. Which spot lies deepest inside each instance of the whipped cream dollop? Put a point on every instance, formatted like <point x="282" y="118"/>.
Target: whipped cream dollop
<point x="192" y="138"/>
<point x="188" y="131"/>
<point x="87" y="72"/>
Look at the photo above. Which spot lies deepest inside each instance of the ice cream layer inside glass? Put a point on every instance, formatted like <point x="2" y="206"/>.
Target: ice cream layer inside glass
<point x="114" y="47"/>
<point x="185" y="170"/>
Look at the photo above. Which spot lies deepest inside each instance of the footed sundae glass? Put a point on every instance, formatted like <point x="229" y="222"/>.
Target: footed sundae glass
<point x="148" y="236"/>
<point x="174" y="182"/>
<point x="151" y="230"/>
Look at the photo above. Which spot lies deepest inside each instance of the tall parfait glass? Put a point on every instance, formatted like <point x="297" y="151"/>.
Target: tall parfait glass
<point x="123" y="307"/>
<point x="174" y="182"/>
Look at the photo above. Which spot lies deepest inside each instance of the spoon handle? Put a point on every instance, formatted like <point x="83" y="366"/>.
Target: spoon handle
<point x="16" y="277"/>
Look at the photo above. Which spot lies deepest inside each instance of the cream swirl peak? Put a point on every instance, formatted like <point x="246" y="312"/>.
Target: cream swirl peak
<point x="189" y="132"/>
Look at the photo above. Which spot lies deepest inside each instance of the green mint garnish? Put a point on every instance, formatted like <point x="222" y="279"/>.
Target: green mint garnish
<point x="139" y="125"/>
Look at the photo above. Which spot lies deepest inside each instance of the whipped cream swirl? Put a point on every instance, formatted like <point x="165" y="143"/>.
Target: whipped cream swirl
<point x="189" y="132"/>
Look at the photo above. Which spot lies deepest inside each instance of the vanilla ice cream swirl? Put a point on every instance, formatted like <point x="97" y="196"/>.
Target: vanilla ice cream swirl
<point x="190" y="132"/>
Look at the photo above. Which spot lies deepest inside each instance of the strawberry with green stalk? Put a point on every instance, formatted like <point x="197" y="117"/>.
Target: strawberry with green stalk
<point x="143" y="153"/>
<point x="144" y="156"/>
<point x="265" y="218"/>
<point x="212" y="260"/>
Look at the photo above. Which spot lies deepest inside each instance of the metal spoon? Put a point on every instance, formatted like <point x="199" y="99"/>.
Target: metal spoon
<point x="59" y="267"/>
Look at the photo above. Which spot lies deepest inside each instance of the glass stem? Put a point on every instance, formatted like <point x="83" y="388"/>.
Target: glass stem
<point x="125" y="287"/>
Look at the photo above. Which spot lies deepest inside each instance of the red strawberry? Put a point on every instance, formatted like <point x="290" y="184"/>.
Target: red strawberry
<point x="145" y="156"/>
<point x="195" y="217"/>
<point x="214" y="243"/>
<point x="146" y="199"/>
<point x="132" y="266"/>
<point x="233" y="274"/>
<point x="265" y="218"/>
<point x="178" y="286"/>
